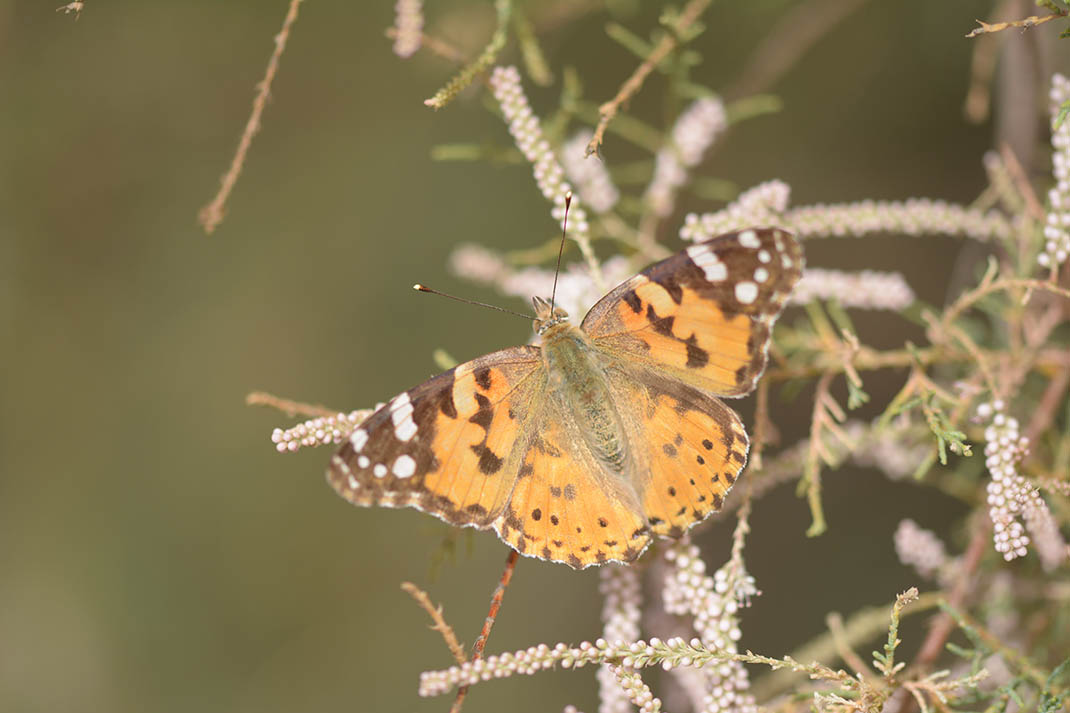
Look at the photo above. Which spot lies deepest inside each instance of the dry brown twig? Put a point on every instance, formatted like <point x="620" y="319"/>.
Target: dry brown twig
<point x="290" y="408"/>
<point x="795" y="32"/>
<point x="488" y="623"/>
<point x="212" y="214"/>
<point x="440" y="624"/>
<point x="634" y="83"/>
<point x="443" y="49"/>
<point x="1024" y="23"/>
<point x="1021" y="182"/>
<point x="75" y="7"/>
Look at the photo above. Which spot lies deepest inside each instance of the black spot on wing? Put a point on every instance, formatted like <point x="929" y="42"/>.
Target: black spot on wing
<point x="484" y="415"/>
<point x="661" y="325"/>
<point x="489" y="462"/>
<point x="632" y="300"/>
<point x="482" y="377"/>
<point x="697" y="357"/>
<point x="445" y="403"/>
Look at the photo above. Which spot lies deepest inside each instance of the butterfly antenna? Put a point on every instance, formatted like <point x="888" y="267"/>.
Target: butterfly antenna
<point x="424" y="288"/>
<point x="560" y="250"/>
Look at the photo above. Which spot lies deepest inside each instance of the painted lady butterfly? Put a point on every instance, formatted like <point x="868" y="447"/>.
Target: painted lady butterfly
<point x="581" y="450"/>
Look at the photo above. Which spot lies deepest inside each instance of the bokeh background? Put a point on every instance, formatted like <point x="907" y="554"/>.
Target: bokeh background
<point x="156" y="554"/>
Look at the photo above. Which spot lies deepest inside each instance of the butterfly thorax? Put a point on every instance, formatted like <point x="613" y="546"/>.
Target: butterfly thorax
<point x="577" y="381"/>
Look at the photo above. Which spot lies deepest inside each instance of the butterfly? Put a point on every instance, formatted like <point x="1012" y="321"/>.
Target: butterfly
<point x="581" y="450"/>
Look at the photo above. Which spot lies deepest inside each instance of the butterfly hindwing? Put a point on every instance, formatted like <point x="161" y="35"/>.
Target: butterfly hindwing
<point x="566" y="507"/>
<point x="445" y="447"/>
<point x="705" y="315"/>
<point x="690" y="448"/>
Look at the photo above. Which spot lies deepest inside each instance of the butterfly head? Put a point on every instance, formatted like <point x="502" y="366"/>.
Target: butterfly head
<point x="547" y="316"/>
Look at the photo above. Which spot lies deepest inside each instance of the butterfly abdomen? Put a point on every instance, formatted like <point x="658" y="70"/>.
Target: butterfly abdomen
<point x="579" y="380"/>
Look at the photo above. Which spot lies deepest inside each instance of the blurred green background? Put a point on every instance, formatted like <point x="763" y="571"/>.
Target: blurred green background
<point x="156" y="554"/>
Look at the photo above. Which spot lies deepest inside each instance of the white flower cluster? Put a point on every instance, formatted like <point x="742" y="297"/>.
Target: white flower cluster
<point x="619" y="586"/>
<point x="915" y="216"/>
<point x="868" y="289"/>
<point x="1011" y="498"/>
<point x="766" y="204"/>
<point x="694" y="131"/>
<point x="1057" y="224"/>
<point x="1003" y="449"/>
<point x="713" y="603"/>
<point x="526" y="131"/>
<point x="409" y="24"/>
<point x="630" y="655"/>
<point x="920" y="548"/>
<point x="890" y="450"/>
<point x="636" y="691"/>
<point x="527" y="661"/>
<point x="592" y="180"/>
<point x="761" y="205"/>
<point x="576" y="290"/>
<point x="477" y="263"/>
<point x="318" y="431"/>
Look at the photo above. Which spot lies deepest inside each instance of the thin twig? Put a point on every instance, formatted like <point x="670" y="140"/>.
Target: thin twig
<point x="1021" y="182"/>
<point x="795" y="32"/>
<point x="982" y="66"/>
<point x="943" y="625"/>
<point x="1053" y="398"/>
<point x="762" y="425"/>
<point x="634" y="83"/>
<point x="443" y="49"/>
<point x="290" y="408"/>
<point x="488" y="623"/>
<point x="842" y="642"/>
<point x="1024" y="23"/>
<point x="436" y="616"/>
<point x="75" y="7"/>
<point x="212" y="214"/>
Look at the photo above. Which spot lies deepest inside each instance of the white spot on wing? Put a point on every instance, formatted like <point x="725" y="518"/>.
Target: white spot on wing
<point x="363" y="462"/>
<point x="358" y="439"/>
<point x="746" y="292"/>
<point x="761" y="275"/>
<point x="764" y="256"/>
<point x="379" y="470"/>
<point x="405" y="430"/>
<point x="711" y="265"/>
<point x="401" y="415"/>
<point x="749" y="239"/>
<point x="404" y="466"/>
<point x="353" y="484"/>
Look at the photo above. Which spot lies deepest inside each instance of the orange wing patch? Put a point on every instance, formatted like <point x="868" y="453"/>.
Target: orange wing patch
<point x="447" y="446"/>
<point x="705" y="315"/>
<point x="693" y="450"/>
<point x="565" y="508"/>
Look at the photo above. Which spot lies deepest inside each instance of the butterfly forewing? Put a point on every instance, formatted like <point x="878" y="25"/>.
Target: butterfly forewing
<point x="704" y="315"/>
<point x="447" y="446"/>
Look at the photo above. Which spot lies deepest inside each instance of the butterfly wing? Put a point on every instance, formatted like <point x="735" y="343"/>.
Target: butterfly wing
<point x="688" y="447"/>
<point x="705" y="315"/>
<point x="446" y="447"/>
<point x="566" y="507"/>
